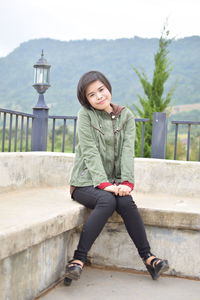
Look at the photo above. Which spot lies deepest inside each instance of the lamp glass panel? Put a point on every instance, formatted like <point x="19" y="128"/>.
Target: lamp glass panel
<point x="41" y="75"/>
<point x="35" y="76"/>
<point x="46" y="76"/>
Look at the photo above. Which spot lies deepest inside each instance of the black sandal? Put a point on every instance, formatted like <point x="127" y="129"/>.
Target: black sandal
<point x="73" y="270"/>
<point x="156" y="267"/>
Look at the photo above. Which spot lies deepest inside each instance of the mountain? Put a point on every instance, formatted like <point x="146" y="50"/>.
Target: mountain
<point x="115" y="58"/>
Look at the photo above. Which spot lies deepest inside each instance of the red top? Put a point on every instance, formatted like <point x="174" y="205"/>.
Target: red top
<point x="103" y="185"/>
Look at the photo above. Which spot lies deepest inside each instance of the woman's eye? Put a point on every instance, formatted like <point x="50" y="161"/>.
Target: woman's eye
<point x="101" y="90"/>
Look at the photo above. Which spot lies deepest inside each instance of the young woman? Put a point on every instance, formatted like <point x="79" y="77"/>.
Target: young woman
<point x="103" y="174"/>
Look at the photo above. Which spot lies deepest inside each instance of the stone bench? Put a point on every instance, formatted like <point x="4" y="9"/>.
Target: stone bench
<point x="39" y="223"/>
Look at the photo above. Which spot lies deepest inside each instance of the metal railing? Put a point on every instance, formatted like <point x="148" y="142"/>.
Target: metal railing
<point x="64" y="131"/>
<point x="143" y="121"/>
<point x="17" y="134"/>
<point x="188" y="124"/>
<point x="16" y="130"/>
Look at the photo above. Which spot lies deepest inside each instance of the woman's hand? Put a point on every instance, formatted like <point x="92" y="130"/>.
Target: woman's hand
<point x="123" y="190"/>
<point x="112" y="189"/>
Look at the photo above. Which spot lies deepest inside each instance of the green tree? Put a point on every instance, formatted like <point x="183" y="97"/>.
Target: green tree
<point x="154" y="99"/>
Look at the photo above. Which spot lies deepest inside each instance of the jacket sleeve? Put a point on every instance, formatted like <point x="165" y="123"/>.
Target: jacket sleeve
<point x="89" y="149"/>
<point x="127" y="158"/>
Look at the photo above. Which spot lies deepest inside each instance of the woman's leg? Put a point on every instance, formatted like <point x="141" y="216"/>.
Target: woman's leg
<point x="103" y="204"/>
<point x="128" y="210"/>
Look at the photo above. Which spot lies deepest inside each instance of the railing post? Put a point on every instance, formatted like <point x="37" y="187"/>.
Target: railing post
<point x="40" y="125"/>
<point x="159" y="135"/>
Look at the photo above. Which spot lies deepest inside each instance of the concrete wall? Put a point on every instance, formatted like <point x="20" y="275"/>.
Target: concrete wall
<point x="33" y="169"/>
<point x="26" y="274"/>
<point x="170" y="177"/>
<point x="167" y="193"/>
<point x="53" y="169"/>
<point x="115" y="248"/>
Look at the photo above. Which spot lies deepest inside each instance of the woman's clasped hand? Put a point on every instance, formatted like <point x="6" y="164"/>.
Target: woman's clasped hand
<point x="118" y="190"/>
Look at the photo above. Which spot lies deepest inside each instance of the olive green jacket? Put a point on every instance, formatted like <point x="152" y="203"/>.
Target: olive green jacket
<point x="105" y="149"/>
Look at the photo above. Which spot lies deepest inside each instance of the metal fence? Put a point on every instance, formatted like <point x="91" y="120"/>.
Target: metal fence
<point x="64" y="132"/>
<point x="188" y="142"/>
<point x="40" y="132"/>
<point x="143" y="122"/>
<point x="15" y="130"/>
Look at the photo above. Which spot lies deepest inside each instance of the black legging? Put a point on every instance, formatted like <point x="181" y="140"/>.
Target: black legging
<point x="104" y="204"/>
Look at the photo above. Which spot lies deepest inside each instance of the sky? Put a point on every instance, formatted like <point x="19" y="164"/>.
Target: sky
<point x="23" y="20"/>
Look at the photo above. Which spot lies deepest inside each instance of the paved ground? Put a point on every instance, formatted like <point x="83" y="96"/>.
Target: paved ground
<point x="101" y="284"/>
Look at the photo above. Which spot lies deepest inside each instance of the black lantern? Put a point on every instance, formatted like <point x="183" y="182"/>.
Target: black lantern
<point x="41" y="75"/>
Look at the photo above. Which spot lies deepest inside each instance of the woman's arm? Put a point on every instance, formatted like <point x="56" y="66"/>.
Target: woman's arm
<point x="89" y="149"/>
<point x="127" y="158"/>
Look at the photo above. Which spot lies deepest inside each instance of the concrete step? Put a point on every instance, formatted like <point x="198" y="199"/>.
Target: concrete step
<point x="96" y="284"/>
<point x="37" y="224"/>
<point x="31" y="216"/>
<point x="47" y="212"/>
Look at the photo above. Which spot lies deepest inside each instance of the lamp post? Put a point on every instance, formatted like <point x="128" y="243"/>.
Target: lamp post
<point x="40" y="110"/>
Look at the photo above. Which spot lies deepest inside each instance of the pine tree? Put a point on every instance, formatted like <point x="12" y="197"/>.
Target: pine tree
<point x="153" y="99"/>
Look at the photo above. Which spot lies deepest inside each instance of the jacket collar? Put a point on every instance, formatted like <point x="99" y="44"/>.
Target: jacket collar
<point x="116" y="109"/>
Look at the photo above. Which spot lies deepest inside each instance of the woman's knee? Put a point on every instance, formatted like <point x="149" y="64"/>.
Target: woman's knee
<point x="125" y="202"/>
<point x="107" y="200"/>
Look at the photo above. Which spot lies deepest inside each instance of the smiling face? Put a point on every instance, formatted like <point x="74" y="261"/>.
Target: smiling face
<point x="99" y="96"/>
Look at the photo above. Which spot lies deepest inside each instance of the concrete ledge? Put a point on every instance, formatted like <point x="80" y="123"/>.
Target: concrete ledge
<point x="171" y="219"/>
<point x="32" y="216"/>
<point x="35" y="203"/>
<point x="39" y="223"/>
<point x="167" y="211"/>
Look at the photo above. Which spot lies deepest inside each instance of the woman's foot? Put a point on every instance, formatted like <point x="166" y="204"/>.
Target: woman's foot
<point x="74" y="269"/>
<point x="155" y="266"/>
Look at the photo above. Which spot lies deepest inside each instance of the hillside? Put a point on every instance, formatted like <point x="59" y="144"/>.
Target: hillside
<point x="115" y="58"/>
